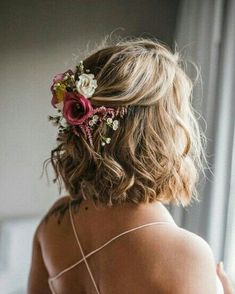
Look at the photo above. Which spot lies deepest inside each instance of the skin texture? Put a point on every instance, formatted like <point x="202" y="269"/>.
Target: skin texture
<point x="157" y="259"/>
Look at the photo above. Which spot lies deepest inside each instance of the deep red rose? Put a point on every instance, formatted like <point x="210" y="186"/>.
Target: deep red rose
<point x="77" y="108"/>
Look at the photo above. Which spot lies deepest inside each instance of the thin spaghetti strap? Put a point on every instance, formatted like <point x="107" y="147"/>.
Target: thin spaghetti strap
<point x="51" y="286"/>
<point x="80" y="246"/>
<point x="84" y="257"/>
<point x="105" y="244"/>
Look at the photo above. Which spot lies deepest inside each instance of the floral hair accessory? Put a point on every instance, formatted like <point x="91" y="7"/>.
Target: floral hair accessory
<point x="71" y="95"/>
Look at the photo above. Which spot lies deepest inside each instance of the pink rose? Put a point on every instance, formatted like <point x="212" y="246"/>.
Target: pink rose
<point x="60" y="77"/>
<point x="57" y="96"/>
<point x="77" y="108"/>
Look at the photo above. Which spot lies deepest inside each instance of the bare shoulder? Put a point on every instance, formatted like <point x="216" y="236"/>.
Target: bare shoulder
<point x="64" y="200"/>
<point x="38" y="276"/>
<point x="54" y="215"/>
<point x="187" y="265"/>
<point x="190" y="243"/>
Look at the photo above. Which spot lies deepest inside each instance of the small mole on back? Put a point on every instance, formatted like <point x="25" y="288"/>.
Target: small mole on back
<point x="86" y="207"/>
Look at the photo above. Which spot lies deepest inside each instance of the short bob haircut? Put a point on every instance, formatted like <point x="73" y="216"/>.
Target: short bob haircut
<point x="156" y="153"/>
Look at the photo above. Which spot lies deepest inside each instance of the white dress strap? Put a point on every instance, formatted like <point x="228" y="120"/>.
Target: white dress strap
<point x="80" y="246"/>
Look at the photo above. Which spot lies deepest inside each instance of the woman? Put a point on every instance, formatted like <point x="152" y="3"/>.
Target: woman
<point x="128" y="143"/>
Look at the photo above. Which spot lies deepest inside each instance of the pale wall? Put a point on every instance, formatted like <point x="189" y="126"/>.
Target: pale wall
<point x="38" y="39"/>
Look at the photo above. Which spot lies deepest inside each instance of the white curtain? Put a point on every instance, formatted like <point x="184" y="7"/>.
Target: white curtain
<point x="205" y="34"/>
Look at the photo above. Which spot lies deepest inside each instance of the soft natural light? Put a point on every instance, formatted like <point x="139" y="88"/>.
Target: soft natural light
<point x="16" y="236"/>
<point x="230" y="236"/>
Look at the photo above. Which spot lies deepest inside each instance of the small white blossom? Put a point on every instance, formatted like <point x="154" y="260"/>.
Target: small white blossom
<point x="95" y="118"/>
<point x="102" y="143"/>
<point x="91" y="122"/>
<point x="108" y="140"/>
<point x="115" y="125"/>
<point x="63" y="122"/>
<point x="109" y="120"/>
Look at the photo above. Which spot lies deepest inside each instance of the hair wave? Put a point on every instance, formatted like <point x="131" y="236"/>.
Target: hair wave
<point x="156" y="153"/>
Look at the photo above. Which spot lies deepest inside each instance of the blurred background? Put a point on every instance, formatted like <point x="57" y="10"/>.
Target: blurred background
<point x="42" y="38"/>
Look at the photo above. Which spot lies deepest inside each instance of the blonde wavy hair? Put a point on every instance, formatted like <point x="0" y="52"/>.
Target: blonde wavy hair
<point x="156" y="153"/>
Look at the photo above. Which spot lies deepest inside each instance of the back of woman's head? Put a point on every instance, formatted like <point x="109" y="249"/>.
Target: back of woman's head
<point x="156" y="151"/>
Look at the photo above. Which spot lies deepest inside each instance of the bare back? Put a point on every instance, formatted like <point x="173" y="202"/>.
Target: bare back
<point x="111" y="266"/>
<point x="134" y="263"/>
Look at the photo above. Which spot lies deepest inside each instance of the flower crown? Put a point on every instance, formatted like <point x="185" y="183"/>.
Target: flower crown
<point x="70" y="96"/>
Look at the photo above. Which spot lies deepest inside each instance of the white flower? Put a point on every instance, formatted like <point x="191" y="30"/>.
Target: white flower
<point x="91" y="123"/>
<point x="109" y="120"/>
<point x="115" y="125"/>
<point x="86" y="85"/>
<point x="95" y="118"/>
<point x="108" y="140"/>
<point x="63" y="122"/>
